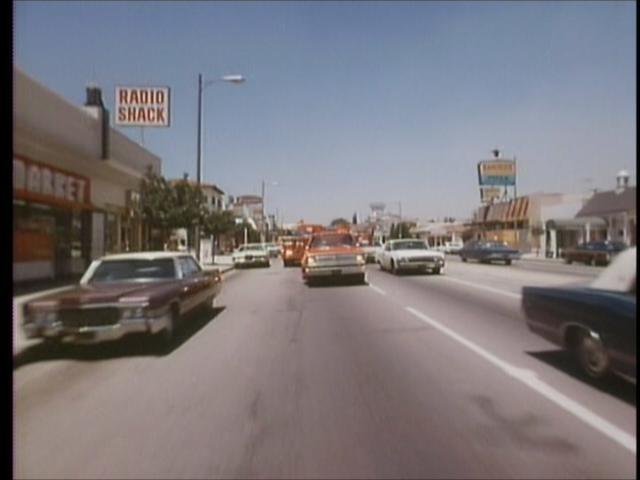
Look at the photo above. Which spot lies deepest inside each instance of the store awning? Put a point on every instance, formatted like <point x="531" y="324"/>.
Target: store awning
<point x="511" y="211"/>
<point x="576" y="223"/>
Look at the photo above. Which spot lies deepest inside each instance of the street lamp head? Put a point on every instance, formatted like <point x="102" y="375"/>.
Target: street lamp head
<point x="234" y="79"/>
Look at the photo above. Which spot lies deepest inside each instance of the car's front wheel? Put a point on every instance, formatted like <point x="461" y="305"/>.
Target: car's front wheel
<point x="167" y="336"/>
<point x="593" y="356"/>
<point x="394" y="268"/>
<point x="507" y="262"/>
<point x="464" y="259"/>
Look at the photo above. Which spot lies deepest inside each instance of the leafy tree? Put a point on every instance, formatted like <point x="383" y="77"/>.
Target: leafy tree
<point x="188" y="209"/>
<point x="393" y="232"/>
<point x="155" y="203"/>
<point x="218" y="223"/>
<point x="165" y="207"/>
<point x="336" y="222"/>
<point x="404" y="230"/>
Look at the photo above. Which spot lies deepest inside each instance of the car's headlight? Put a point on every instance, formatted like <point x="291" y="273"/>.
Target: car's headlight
<point x="136" y="312"/>
<point x="311" y="261"/>
<point x="360" y="258"/>
<point x="402" y="259"/>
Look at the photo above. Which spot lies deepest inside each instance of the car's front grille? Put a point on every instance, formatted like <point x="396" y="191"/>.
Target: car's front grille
<point x="89" y="317"/>
<point x="423" y="259"/>
<point x="340" y="259"/>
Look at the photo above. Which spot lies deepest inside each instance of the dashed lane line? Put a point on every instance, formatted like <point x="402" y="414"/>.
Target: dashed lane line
<point x="379" y="290"/>
<point x="484" y="287"/>
<point x="530" y="379"/>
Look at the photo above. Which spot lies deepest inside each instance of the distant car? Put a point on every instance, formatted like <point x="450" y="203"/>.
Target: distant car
<point x="273" y="249"/>
<point x="594" y="253"/>
<point x="333" y="255"/>
<point x="371" y="252"/>
<point x="410" y="255"/>
<point x="145" y="292"/>
<point x="487" y="252"/>
<point x="597" y="323"/>
<point x="293" y="250"/>
<point x="452" y="247"/>
<point x="251" y="255"/>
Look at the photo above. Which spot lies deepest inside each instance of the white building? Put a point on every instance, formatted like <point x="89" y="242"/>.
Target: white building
<point x="74" y="181"/>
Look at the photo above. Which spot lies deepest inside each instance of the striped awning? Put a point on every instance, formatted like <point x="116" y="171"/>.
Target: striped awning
<point x="511" y="211"/>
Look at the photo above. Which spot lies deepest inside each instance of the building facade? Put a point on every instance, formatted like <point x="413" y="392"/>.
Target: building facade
<point x="75" y="182"/>
<point x="522" y="222"/>
<point x="616" y="209"/>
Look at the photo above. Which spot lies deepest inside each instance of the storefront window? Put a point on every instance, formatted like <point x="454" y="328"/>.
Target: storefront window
<point x="112" y="232"/>
<point x="48" y="241"/>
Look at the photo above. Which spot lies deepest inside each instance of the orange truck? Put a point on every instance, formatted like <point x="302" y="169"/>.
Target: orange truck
<point x="333" y="255"/>
<point x="293" y="249"/>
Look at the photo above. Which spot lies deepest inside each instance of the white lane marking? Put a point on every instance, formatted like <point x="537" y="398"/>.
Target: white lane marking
<point x="530" y="379"/>
<point x="379" y="290"/>
<point x="484" y="287"/>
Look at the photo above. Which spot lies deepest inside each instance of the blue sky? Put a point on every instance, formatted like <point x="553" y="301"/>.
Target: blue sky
<point x="352" y="102"/>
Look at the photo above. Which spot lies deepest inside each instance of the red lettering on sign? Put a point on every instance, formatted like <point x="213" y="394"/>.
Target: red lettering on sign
<point x="160" y="96"/>
<point x="133" y="97"/>
<point x="144" y="97"/>
<point x="122" y="95"/>
<point x="160" y="115"/>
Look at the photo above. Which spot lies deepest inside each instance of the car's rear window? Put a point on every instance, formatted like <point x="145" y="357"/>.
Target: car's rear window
<point x="119" y="270"/>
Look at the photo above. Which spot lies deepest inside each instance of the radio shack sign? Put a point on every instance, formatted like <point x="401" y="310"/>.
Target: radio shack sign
<point x="142" y="106"/>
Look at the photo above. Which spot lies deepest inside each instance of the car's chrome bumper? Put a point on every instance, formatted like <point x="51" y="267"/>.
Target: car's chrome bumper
<point x="253" y="261"/>
<point x="335" y="270"/>
<point x="422" y="265"/>
<point x="96" y="334"/>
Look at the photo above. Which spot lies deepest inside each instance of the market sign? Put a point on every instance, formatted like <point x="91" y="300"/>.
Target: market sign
<point x="142" y="106"/>
<point x="39" y="182"/>
<point x="497" y="172"/>
<point x="489" y="194"/>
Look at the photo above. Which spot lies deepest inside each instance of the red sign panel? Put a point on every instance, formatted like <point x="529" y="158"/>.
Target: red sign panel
<point x="43" y="183"/>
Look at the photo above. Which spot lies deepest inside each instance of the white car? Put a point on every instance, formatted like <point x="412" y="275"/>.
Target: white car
<point x="453" y="247"/>
<point x="410" y="255"/>
<point x="372" y="252"/>
<point x="251" y="254"/>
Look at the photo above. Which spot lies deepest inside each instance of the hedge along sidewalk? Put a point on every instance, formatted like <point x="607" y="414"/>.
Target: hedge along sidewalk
<point x="21" y="343"/>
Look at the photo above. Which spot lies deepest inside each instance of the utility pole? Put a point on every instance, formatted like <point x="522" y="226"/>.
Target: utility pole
<point x="199" y="160"/>
<point x="264" y="218"/>
<point x="400" y="225"/>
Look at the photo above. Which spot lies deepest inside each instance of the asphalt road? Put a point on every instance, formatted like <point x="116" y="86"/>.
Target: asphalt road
<point x="417" y="376"/>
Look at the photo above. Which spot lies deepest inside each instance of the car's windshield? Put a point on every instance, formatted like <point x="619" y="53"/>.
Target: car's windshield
<point x="409" y="245"/>
<point x="336" y="240"/>
<point x="496" y="246"/>
<point x="251" y="248"/>
<point x="136" y="270"/>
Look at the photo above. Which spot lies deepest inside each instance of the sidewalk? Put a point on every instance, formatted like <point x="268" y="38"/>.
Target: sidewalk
<point x="20" y="343"/>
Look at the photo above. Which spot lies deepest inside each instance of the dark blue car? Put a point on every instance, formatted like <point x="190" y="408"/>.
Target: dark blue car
<point x="487" y="252"/>
<point x="597" y="323"/>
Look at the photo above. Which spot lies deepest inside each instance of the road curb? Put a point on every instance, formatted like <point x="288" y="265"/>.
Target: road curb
<point x="20" y="343"/>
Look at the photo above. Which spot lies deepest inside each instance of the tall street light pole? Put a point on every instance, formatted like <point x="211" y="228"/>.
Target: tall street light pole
<point x="264" y="218"/>
<point x="234" y="79"/>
